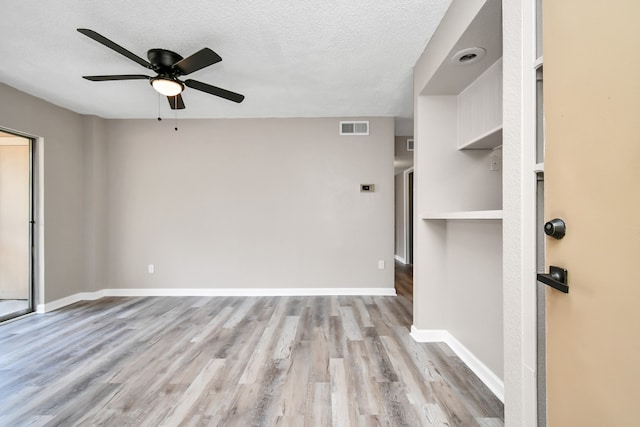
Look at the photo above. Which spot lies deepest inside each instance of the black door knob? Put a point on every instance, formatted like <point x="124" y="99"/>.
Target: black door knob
<point x="555" y="228"/>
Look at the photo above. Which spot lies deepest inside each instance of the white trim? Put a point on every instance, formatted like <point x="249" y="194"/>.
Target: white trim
<point x="429" y="335"/>
<point x="519" y="223"/>
<point x="248" y="292"/>
<point x="210" y="292"/>
<point x="400" y="259"/>
<point x="71" y="299"/>
<point x="486" y="375"/>
<point x="39" y="270"/>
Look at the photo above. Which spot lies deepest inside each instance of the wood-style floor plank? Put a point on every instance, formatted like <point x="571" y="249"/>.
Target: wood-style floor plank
<point x="231" y="361"/>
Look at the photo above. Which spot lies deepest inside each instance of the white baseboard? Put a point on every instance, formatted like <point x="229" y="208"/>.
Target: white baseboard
<point x="486" y="375"/>
<point x="400" y="259"/>
<point x="71" y="299"/>
<point x="247" y="292"/>
<point x="209" y="292"/>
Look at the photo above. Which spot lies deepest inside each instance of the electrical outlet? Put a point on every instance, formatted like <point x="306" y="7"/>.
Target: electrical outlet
<point x="151" y="268"/>
<point x="381" y="264"/>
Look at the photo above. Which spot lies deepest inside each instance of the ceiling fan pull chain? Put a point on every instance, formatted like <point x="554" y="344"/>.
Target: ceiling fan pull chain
<point x="159" y="118"/>
<point x="176" y="110"/>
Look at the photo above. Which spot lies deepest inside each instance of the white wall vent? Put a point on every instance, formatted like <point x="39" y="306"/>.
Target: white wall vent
<point x="410" y="144"/>
<point x="354" y="128"/>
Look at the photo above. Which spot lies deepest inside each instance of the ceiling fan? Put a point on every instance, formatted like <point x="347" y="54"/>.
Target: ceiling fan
<point x="168" y="66"/>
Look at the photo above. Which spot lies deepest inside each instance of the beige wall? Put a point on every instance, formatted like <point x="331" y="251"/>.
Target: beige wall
<point x="14" y="218"/>
<point x="264" y="203"/>
<point x="63" y="187"/>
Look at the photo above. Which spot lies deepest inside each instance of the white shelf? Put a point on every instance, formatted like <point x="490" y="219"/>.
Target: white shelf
<point x="487" y="141"/>
<point x="462" y="215"/>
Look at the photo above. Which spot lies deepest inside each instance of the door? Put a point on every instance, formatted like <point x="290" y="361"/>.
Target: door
<point x="592" y="182"/>
<point x="15" y="226"/>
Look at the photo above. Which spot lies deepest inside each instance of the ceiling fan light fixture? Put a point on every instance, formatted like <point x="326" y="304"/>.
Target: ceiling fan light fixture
<point x="167" y="87"/>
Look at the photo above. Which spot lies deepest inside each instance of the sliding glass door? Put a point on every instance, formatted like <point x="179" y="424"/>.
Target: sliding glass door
<point x="16" y="225"/>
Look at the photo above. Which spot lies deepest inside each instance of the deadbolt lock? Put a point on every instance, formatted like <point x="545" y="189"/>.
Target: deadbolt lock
<point x="555" y="228"/>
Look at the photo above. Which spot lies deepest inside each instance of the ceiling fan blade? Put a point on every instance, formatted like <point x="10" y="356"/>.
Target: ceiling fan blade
<point x="111" y="45"/>
<point x="176" y="102"/>
<point x="197" y="61"/>
<point x="213" y="90"/>
<point x="117" y="77"/>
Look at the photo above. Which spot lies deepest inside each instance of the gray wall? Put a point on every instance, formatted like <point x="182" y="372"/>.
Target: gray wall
<point x="260" y="203"/>
<point x="474" y="288"/>
<point x="63" y="186"/>
<point x="266" y="203"/>
<point x="95" y="202"/>
<point x="403" y="159"/>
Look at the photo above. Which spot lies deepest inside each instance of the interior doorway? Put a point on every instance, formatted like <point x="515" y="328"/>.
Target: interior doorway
<point x="409" y="211"/>
<point x="404" y="269"/>
<point x="16" y="225"/>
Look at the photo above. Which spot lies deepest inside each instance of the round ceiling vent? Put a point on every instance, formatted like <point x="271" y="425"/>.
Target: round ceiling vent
<point x="468" y="56"/>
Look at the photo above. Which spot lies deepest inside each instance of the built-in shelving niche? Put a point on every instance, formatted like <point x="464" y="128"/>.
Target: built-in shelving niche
<point x="458" y="249"/>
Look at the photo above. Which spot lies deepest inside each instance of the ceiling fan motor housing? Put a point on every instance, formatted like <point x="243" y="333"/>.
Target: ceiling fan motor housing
<point x="162" y="60"/>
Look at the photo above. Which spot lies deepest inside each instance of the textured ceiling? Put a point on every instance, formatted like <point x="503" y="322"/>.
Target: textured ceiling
<point x="293" y="58"/>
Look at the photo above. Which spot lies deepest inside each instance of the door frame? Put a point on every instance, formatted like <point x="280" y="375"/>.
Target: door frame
<point x="408" y="224"/>
<point x="36" y="246"/>
<point x="519" y="212"/>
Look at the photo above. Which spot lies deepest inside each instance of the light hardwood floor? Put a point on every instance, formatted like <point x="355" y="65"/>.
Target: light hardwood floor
<point x="230" y="361"/>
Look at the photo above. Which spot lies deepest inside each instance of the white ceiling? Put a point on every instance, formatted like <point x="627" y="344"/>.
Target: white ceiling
<point x="292" y="58"/>
<point x="485" y="30"/>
